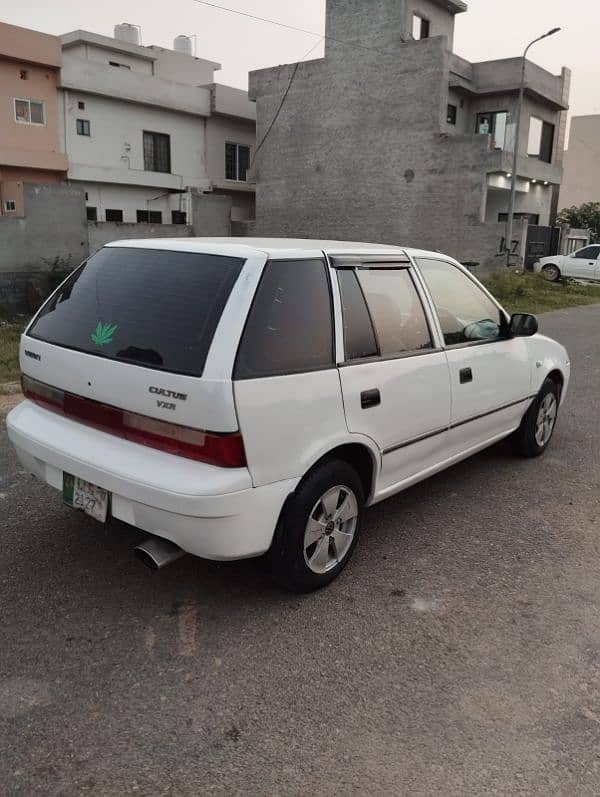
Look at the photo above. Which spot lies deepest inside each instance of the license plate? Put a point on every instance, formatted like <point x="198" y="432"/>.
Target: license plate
<point x="85" y="496"/>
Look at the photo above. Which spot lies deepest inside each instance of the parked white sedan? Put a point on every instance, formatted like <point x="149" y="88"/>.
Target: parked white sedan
<point x="583" y="264"/>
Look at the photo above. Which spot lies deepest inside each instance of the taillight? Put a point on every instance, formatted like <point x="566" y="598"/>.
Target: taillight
<point x="223" y="450"/>
<point x="49" y="396"/>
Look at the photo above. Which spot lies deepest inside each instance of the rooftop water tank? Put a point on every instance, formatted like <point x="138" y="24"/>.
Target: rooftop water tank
<point x="183" y="44"/>
<point x="125" y="32"/>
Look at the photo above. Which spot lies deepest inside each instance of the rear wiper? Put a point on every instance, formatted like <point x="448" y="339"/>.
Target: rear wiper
<point x="133" y="354"/>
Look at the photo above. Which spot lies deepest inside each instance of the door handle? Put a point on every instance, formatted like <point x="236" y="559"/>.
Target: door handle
<point x="370" y="398"/>
<point x="466" y="375"/>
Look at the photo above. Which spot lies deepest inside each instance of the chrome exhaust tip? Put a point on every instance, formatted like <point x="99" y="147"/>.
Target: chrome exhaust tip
<point x="157" y="553"/>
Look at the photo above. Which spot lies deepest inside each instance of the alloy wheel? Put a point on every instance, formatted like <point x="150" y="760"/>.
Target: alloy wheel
<point x="551" y="273"/>
<point x="330" y="529"/>
<point x="546" y="420"/>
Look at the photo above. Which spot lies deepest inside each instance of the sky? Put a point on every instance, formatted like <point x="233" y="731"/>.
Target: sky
<point x="490" y="29"/>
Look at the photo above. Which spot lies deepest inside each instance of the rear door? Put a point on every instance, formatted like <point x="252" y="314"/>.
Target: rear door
<point x="133" y="328"/>
<point x="490" y="372"/>
<point x="394" y="377"/>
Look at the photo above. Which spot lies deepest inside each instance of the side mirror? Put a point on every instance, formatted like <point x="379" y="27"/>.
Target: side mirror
<point x="523" y="325"/>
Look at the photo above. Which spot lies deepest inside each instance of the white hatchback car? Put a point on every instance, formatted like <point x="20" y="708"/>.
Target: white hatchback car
<point x="236" y="397"/>
<point x="583" y="264"/>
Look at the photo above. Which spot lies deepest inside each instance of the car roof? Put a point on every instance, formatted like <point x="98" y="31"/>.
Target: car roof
<point x="277" y="248"/>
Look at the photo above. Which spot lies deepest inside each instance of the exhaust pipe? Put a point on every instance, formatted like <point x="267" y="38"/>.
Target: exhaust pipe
<point x="157" y="553"/>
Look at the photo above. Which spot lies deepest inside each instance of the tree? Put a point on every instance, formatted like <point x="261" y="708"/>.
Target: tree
<point x="585" y="217"/>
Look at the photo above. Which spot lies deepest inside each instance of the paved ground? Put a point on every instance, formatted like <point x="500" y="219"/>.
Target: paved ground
<point x="458" y="654"/>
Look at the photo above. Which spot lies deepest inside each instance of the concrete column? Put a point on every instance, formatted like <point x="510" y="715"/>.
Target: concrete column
<point x="211" y="215"/>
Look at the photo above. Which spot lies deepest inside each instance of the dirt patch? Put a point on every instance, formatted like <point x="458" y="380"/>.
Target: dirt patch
<point x="10" y="396"/>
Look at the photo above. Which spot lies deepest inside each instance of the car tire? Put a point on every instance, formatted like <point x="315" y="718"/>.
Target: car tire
<point x="551" y="272"/>
<point x="533" y="436"/>
<point x="318" y="529"/>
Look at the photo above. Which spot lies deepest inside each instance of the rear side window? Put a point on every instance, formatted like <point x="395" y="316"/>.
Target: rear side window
<point x="289" y="329"/>
<point x="153" y="308"/>
<point x="359" y="335"/>
<point x="396" y="310"/>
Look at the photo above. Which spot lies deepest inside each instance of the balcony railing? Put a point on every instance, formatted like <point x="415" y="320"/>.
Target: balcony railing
<point x="504" y="76"/>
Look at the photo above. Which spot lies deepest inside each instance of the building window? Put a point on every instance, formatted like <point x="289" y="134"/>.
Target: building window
<point x="534" y="145"/>
<point x="573" y="244"/>
<point x="149" y="216"/>
<point x="83" y="127"/>
<point x="10" y="206"/>
<point x="118" y="65"/>
<point x="113" y="215"/>
<point x="532" y="218"/>
<point x="81" y="105"/>
<point x="178" y="217"/>
<point x="421" y="27"/>
<point x="92" y="214"/>
<point x="237" y="161"/>
<point x="23" y="74"/>
<point x="493" y="124"/>
<point x="451" y="116"/>
<point x="157" y="152"/>
<point x="541" y="140"/>
<point x="29" y="112"/>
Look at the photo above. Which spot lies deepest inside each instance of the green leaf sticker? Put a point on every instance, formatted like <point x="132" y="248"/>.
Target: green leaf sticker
<point x="103" y="334"/>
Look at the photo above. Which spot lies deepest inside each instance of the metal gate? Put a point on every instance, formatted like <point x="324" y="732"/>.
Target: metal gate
<point x="541" y="242"/>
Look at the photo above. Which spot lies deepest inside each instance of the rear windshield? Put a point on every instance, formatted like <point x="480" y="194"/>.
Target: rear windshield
<point x="150" y="307"/>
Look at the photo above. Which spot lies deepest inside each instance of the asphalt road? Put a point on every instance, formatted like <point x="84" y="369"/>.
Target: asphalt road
<point x="459" y="653"/>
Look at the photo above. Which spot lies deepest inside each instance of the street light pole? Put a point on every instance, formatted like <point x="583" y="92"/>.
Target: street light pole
<point x="513" y="185"/>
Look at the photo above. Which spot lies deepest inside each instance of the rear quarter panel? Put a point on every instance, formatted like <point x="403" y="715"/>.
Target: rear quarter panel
<point x="290" y="422"/>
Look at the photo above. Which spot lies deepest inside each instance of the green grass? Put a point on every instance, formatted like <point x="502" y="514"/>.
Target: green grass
<point x="10" y="333"/>
<point x="522" y="292"/>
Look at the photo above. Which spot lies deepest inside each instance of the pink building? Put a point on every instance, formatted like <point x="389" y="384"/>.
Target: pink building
<point x="30" y="150"/>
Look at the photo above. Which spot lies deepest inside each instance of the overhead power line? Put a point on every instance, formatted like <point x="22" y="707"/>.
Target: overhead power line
<point x="294" y="28"/>
<point x="321" y="37"/>
<point x="258" y="19"/>
<point x="284" y="98"/>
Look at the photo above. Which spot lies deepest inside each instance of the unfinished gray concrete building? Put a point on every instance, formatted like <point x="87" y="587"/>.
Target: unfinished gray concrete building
<point x="391" y="137"/>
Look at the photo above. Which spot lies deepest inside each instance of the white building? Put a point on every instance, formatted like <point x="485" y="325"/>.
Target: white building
<point x="144" y="126"/>
<point x="230" y="143"/>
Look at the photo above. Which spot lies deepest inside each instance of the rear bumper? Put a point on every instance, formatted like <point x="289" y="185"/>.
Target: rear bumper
<point x="209" y="512"/>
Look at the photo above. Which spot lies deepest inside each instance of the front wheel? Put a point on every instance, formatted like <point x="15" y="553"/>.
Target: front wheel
<point x="551" y="273"/>
<point x="319" y="528"/>
<point x="536" y="430"/>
